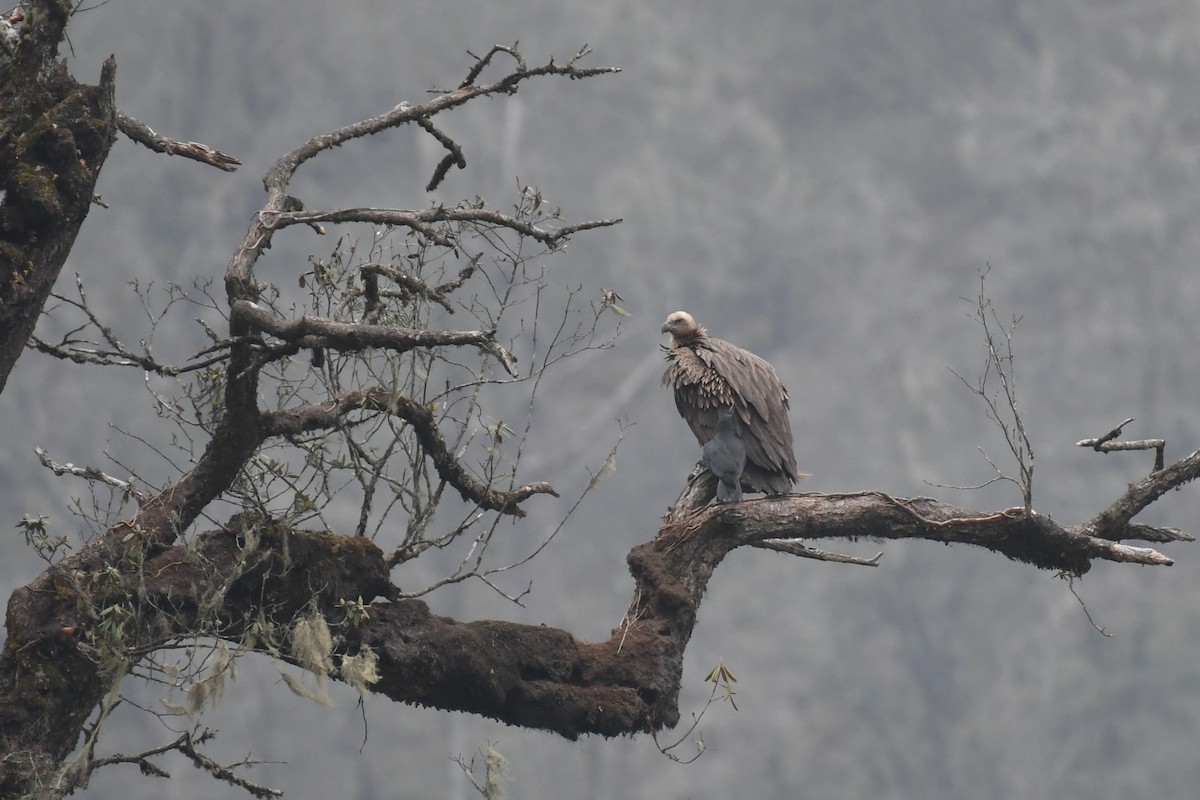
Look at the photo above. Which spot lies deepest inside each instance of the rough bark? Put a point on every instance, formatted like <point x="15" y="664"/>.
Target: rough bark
<point x="55" y="135"/>
<point x="55" y="669"/>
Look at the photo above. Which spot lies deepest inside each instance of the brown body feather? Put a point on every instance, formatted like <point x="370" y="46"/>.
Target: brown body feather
<point x="708" y="375"/>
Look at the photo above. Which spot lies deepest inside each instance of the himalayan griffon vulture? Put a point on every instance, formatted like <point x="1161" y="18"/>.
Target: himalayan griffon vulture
<point x="709" y="375"/>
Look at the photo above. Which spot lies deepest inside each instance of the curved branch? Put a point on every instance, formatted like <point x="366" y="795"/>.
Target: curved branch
<point x="1036" y="539"/>
<point x="454" y="155"/>
<point x="423" y="219"/>
<point x="351" y="336"/>
<point x="237" y="437"/>
<point x="630" y="682"/>
<point x="481" y="62"/>
<point x="281" y="172"/>
<point x="330" y="414"/>
<point x="528" y="675"/>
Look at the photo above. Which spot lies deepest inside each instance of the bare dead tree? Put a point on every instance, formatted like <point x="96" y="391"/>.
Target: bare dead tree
<point x="373" y="394"/>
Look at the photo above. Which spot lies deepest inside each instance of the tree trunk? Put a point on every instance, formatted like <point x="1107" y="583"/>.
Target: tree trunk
<point x="54" y="137"/>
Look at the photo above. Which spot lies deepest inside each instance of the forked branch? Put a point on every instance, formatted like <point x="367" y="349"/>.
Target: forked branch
<point x="1114" y="521"/>
<point x="281" y="173"/>
<point x="327" y="415"/>
<point x="1108" y="444"/>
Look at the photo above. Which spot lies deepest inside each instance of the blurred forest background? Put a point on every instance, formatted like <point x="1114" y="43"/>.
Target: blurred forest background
<point x="820" y="182"/>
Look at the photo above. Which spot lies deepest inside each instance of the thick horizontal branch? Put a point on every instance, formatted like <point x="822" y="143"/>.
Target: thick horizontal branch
<point x="351" y="336"/>
<point x="331" y="414"/>
<point x="1108" y="446"/>
<point x="630" y="682"/>
<point x="256" y="570"/>
<point x="1113" y="447"/>
<point x="1035" y="539"/>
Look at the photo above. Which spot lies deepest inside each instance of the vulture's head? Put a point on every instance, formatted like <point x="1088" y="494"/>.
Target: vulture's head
<point x="682" y="327"/>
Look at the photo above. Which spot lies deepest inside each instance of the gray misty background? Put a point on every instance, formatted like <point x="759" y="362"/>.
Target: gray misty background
<point x="819" y="182"/>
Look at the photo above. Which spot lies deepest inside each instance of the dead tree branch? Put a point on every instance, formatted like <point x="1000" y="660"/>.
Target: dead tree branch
<point x="1113" y="522"/>
<point x="406" y="282"/>
<point x="331" y="414"/>
<point x="310" y="332"/>
<point x="108" y="350"/>
<point x="423" y="221"/>
<point x="1106" y="444"/>
<point x="144" y="135"/>
<point x="90" y="474"/>
<point x="260" y="570"/>
<point x="1002" y="406"/>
